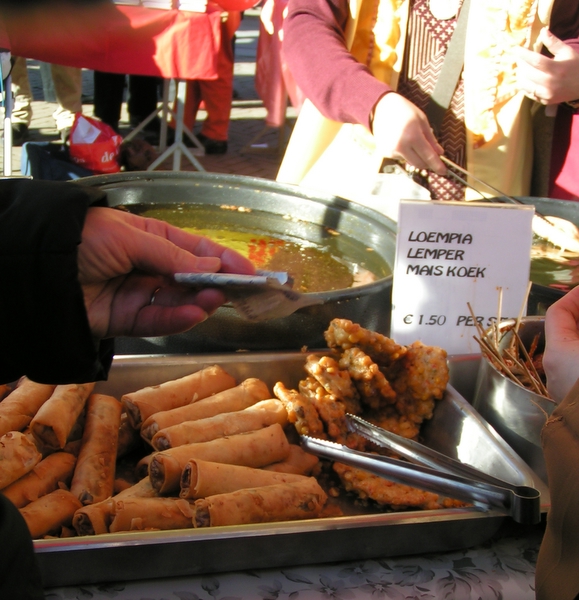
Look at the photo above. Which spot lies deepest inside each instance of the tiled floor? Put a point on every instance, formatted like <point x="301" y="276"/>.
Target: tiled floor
<point x="247" y="117"/>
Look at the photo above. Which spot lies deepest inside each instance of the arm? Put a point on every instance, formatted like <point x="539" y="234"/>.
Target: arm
<point x="75" y="273"/>
<point x="43" y="323"/>
<point x="561" y="357"/>
<point x="344" y="90"/>
<point x="341" y="88"/>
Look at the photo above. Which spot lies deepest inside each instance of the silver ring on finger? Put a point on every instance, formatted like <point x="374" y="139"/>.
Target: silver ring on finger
<point x="153" y="295"/>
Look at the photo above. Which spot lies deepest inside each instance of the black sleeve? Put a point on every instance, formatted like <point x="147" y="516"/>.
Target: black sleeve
<point x="20" y="576"/>
<point x="44" y="329"/>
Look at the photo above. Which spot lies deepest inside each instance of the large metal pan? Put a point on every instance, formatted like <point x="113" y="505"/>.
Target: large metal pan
<point x="368" y="304"/>
<point x="542" y="296"/>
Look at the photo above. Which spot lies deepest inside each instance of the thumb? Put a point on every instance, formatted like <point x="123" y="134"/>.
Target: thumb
<point x="559" y="49"/>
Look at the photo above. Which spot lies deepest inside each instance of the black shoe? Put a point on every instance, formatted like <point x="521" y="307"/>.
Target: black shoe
<point x="19" y="134"/>
<point x="212" y="146"/>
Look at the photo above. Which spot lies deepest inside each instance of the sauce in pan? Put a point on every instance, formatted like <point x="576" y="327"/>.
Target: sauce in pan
<point x="551" y="267"/>
<point x="318" y="259"/>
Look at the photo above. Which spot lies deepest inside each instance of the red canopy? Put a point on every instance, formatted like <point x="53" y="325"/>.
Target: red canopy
<point x="119" y="39"/>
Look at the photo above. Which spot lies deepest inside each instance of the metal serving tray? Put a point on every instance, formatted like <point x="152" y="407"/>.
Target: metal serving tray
<point x="456" y="429"/>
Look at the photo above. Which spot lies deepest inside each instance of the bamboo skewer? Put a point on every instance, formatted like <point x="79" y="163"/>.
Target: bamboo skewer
<point x="528" y="363"/>
<point x="490" y="347"/>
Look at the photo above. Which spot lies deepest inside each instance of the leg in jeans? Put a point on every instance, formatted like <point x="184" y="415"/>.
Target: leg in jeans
<point x="68" y="89"/>
<point x="22" y="109"/>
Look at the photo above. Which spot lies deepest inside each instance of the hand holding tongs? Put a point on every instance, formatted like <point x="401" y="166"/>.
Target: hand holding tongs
<point x="558" y="231"/>
<point x="432" y="471"/>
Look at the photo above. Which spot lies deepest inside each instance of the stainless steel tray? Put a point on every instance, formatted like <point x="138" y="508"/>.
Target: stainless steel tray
<point x="456" y="429"/>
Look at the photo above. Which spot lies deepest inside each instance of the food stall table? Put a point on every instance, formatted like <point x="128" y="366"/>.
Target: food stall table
<point x="134" y="40"/>
<point x="501" y="568"/>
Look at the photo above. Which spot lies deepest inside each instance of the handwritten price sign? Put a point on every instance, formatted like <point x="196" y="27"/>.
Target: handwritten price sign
<point x="450" y="255"/>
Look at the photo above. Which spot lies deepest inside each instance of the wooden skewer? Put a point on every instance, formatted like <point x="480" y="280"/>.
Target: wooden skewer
<point x="489" y="343"/>
<point x="531" y="366"/>
<point x="526" y="373"/>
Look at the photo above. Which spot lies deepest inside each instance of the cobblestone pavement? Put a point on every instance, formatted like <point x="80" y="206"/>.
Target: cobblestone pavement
<point x="254" y="150"/>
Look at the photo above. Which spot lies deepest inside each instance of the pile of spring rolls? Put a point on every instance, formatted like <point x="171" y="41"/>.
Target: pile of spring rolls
<point x="217" y="453"/>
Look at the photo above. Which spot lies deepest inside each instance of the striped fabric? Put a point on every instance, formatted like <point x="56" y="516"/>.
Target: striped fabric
<point x="427" y="41"/>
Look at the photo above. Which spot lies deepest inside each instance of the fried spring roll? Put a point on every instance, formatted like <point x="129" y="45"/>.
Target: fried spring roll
<point x="20" y="405"/>
<point x="73" y="447"/>
<point x="50" y="512"/>
<point x="278" y="502"/>
<point x="140" y="514"/>
<point x="120" y="485"/>
<point x="260" y="414"/>
<point x="94" y="519"/>
<point x="44" y="478"/>
<point x="142" y="467"/>
<point x="141" y="489"/>
<point x="251" y="449"/>
<point x="247" y="393"/>
<point x="4" y="390"/>
<point x="298" y="461"/>
<point x="18" y="456"/>
<point x="202" y="478"/>
<point x="94" y="475"/>
<point x="57" y="417"/>
<point x="129" y="437"/>
<point x="142" y="403"/>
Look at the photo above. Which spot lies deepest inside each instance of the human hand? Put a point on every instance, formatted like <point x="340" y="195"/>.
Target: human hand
<point x="548" y="80"/>
<point x="124" y="261"/>
<point x="402" y="132"/>
<point x="561" y="356"/>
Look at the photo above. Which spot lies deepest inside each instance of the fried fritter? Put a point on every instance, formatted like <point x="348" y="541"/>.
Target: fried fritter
<point x="332" y="411"/>
<point x="392" y="386"/>
<point x="301" y="412"/>
<point x="334" y="380"/>
<point x="343" y="334"/>
<point x="390" y="419"/>
<point x="373" y="386"/>
<point x="386" y="493"/>
<point x="425" y="371"/>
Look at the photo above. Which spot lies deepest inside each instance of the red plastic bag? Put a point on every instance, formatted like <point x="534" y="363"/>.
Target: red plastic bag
<point x="94" y="145"/>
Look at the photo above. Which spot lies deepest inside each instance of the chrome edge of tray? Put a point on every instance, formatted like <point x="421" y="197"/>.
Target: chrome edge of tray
<point x="85" y="560"/>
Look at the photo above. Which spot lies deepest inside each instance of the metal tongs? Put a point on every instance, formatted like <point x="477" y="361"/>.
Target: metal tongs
<point x="432" y="471"/>
<point x="560" y="232"/>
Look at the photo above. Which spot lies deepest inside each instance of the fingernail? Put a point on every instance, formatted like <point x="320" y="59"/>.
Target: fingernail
<point x="209" y="264"/>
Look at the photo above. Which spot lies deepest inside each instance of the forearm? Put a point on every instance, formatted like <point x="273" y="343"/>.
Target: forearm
<point x="314" y="46"/>
<point x="43" y="324"/>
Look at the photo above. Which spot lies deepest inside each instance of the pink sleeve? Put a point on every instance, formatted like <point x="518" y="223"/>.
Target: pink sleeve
<point x="314" y="47"/>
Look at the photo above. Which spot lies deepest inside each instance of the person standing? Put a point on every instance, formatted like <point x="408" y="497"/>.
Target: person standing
<point x="67" y="87"/>
<point x="216" y="95"/>
<point x="375" y="68"/>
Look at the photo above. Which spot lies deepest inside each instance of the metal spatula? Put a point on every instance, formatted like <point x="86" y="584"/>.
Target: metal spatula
<point x="560" y="232"/>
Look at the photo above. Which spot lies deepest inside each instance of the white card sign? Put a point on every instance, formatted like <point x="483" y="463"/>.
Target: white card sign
<point x="450" y="255"/>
